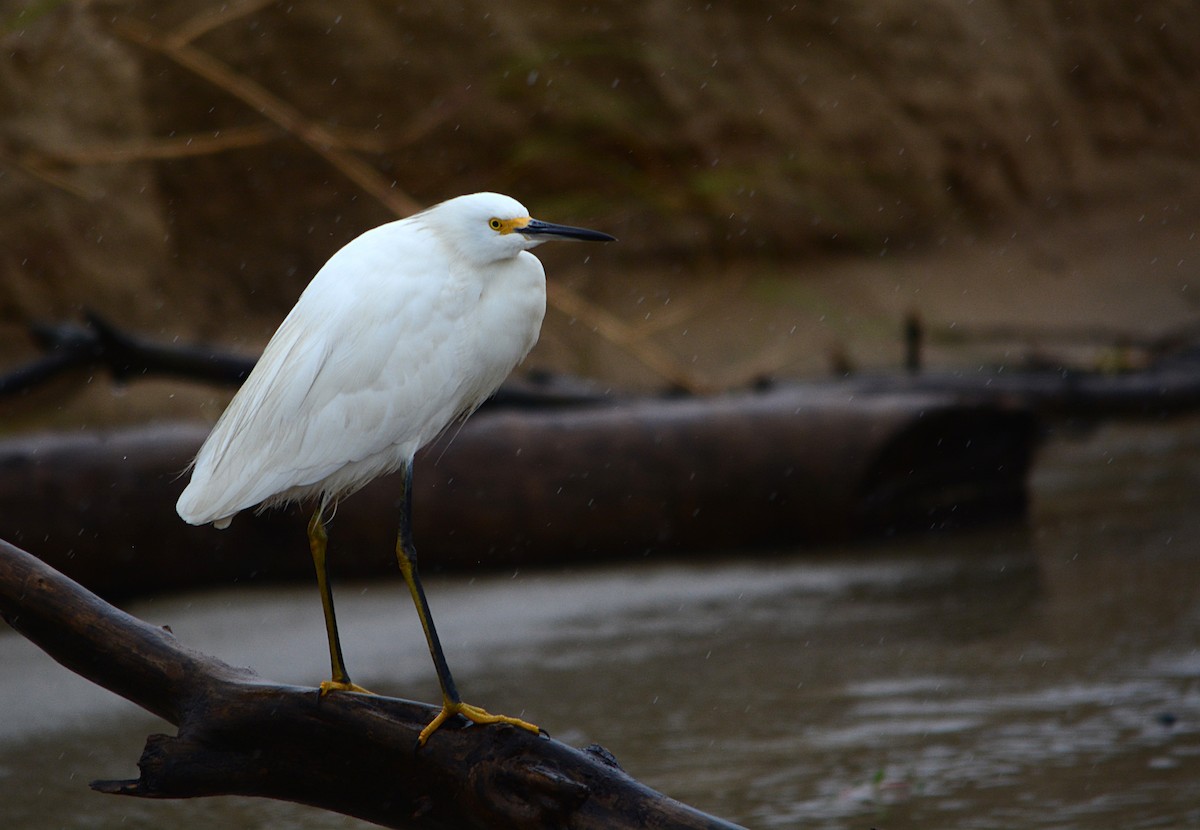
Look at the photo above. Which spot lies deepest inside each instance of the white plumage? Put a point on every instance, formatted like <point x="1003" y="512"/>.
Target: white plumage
<point x="406" y="328"/>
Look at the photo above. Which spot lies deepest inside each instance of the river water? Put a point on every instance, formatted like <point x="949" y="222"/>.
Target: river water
<point x="1045" y="675"/>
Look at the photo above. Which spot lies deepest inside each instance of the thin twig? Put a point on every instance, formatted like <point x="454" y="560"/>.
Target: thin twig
<point x="35" y="169"/>
<point x="212" y="18"/>
<point x="318" y="139"/>
<point x="698" y="300"/>
<point x="234" y="138"/>
<point x="618" y="332"/>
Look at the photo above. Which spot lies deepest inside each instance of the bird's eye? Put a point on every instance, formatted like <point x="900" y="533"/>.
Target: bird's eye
<point x="495" y="224"/>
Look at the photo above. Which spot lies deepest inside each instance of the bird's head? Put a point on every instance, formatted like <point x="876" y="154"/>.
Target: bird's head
<point x="486" y="227"/>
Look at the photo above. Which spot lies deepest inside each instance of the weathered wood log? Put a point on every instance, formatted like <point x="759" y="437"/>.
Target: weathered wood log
<point x="514" y="488"/>
<point x="350" y="753"/>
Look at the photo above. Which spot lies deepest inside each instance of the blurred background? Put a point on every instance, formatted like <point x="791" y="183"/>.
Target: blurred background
<point x="790" y="183"/>
<point x="787" y="180"/>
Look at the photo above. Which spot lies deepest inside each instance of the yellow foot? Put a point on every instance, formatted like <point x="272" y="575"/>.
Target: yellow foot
<point x="471" y="713"/>
<point x="338" y="686"/>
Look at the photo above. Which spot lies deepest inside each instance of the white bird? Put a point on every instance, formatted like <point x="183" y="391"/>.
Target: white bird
<point x="409" y="327"/>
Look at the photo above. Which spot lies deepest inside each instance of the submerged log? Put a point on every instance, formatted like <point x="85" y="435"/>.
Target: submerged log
<point x="350" y="753"/>
<point x="511" y="487"/>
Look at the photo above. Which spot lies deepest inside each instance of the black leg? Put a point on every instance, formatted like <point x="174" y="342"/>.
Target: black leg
<point x="406" y="555"/>
<point x="452" y="704"/>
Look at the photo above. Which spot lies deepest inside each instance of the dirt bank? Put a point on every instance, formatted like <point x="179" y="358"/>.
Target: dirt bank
<point x="787" y="181"/>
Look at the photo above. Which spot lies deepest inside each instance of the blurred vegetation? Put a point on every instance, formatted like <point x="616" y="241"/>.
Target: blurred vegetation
<point x="137" y="182"/>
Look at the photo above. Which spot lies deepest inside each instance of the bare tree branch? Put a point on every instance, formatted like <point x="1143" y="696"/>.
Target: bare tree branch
<point x="185" y="146"/>
<point x="350" y="753"/>
<point x="319" y="140"/>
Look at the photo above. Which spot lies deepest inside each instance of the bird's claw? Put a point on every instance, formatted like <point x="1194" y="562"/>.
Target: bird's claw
<point x="328" y="686"/>
<point x="473" y="714"/>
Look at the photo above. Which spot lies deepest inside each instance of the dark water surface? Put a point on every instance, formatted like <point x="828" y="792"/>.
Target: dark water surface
<point x="1046" y="675"/>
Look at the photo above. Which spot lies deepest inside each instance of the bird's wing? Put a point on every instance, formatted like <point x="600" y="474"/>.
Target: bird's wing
<point x="360" y="369"/>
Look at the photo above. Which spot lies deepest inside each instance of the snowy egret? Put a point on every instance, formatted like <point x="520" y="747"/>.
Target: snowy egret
<point x="407" y="328"/>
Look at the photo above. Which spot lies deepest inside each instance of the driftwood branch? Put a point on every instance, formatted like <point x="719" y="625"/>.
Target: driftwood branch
<point x="99" y="344"/>
<point x="353" y="754"/>
<point x="1171" y="383"/>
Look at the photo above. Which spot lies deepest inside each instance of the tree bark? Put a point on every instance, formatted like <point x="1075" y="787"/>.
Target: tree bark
<point x="783" y="467"/>
<point x="350" y="753"/>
